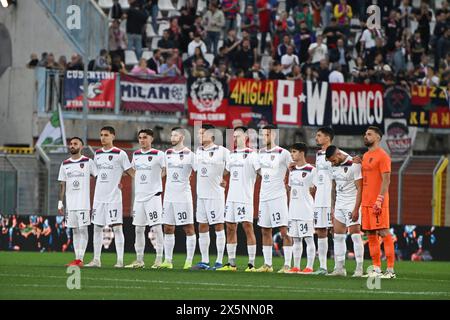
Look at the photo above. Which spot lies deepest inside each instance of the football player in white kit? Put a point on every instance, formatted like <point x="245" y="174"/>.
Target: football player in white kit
<point x="111" y="163"/>
<point x="346" y="196"/>
<point x="74" y="177"/>
<point x="243" y="167"/>
<point x="301" y="208"/>
<point x="178" y="204"/>
<point x="210" y="166"/>
<point x="322" y="199"/>
<point x="273" y="207"/>
<point x="149" y="168"/>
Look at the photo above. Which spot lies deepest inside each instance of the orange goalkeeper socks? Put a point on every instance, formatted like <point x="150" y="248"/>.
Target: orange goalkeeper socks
<point x="389" y="250"/>
<point x="375" y="251"/>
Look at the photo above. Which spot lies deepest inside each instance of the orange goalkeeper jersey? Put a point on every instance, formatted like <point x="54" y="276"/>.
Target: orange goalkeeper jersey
<point x="374" y="164"/>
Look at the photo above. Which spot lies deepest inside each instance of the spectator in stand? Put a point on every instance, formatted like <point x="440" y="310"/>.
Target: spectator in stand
<point x="198" y="27"/>
<point x="332" y="34"/>
<point x="417" y="48"/>
<point x="136" y="20"/>
<point x="231" y="44"/>
<point x="405" y="10"/>
<point x="245" y="56"/>
<point x="305" y="42"/>
<point x="154" y="63"/>
<point x="175" y="32"/>
<point x="342" y="55"/>
<point x="393" y="30"/>
<point x="302" y="14"/>
<point x="368" y="44"/>
<point x="177" y="60"/>
<point x="264" y="12"/>
<point x="430" y="80"/>
<point x="197" y="42"/>
<point x="290" y="5"/>
<point x="117" y="65"/>
<point x="62" y="62"/>
<point x="117" y="40"/>
<point x="214" y="22"/>
<point x="142" y="70"/>
<point x="230" y="9"/>
<point x="255" y="72"/>
<point x="151" y="7"/>
<point x="318" y="50"/>
<point x="33" y="61"/>
<point x="323" y="71"/>
<point x="287" y="22"/>
<point x="221" y="73"/>
<point x="276" y="73"/>
<point x="101" y="62"/>
<point x="289" y="60"/>
<point x="51" y="62"/>
<point x="116" y="10"/>
<point x="199" y="69"/>
<point x="317" y="6"/>
<point x="399" y="58"/>
<point x="423" y="18"/>
<point x="343" y="13"/>
<point x="166" y="45"/>
<point x="188" y="64"/>
<point x="336" y="75"/>
<point x="296" y="73"/>
<point x="439" y="37"/>
<point x="169" y="69"/>
<point x="43" y="61"/>
<point x="282" y="47"/>
<point x="250" y="22"/>
<point x="76" y="63"/>
<point x="221" y="58"/>
<point x="310" y="74"/>
<point x="186" y="22"/>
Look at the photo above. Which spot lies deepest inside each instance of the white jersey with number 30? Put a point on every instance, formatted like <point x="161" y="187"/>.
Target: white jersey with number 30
<point x="179" y="169"/>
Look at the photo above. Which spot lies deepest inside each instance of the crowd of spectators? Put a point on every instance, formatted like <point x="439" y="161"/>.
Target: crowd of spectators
<point x="318" y="40"/>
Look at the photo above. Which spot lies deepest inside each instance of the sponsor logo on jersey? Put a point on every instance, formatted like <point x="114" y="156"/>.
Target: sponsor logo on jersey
<point x="175" y="176"/>
<point x="76" y="184"/>
<point x="235" y="174"/>
<point x="143" y="177"/>
<point x="294" y="192"/>
<point x="204" y="171"/>
<point x="266" y="176"/>
<point x="104" y="176"/>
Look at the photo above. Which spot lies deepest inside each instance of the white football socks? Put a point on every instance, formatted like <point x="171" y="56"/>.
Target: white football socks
<point x="231" y="250"/>
<point x="322" y="244"/>
<point x="287" y="250"/>
<point x="267" y="253"/>
<point x="83" y="241"/>
<point x="340" y="249"/>
<point x="358" y="247"/>
<point x="297" y="251"/>
<point x="159" y="235"/>
<point x="191" y="242"/>
<point x="310" y="252"/>
<point x="169" y="244"/>
<point x="251" y="249"/>
<point x="220" y="244"/>
<point x="76" y="242"/>
<point x="203" y="243"/>
<point x="98" y="239"/>
<point x="139" y="243"/>
<point x="119" y="240"/>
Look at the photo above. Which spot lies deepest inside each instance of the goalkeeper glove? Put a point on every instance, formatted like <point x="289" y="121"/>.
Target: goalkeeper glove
<point x="378" y="204"/>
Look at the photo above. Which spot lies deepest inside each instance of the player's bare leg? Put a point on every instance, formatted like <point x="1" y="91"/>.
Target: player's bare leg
<point x="340" y="248"/>
<point x="287" y="250"/>
<point x="191" y="242"/>
<point x="358" y="247"/>
<point x="251" y="245"/>
<point x="322" y="249"/>
<point x="267" y="243"/>
<point x="220" y="244"/>
<point x="388" y="244"/>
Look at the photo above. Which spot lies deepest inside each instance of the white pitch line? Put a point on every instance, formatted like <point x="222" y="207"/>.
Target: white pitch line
<point x="239" y="287"/>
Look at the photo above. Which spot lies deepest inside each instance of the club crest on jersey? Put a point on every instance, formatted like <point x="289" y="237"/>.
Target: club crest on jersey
<point x="181" y="156"/>
<point x="345" y="169"/>
<point x="110" y="158"/>
<point x="150" y="158"/>
<point x="81" y="165"/>
<point x="370" y="160"/>
<point x="304" y="174"/>
<point x="245" y="156"/>
<point x="211" y="154"/>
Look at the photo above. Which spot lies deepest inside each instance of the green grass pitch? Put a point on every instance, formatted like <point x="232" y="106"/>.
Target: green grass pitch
<point x="43" y="276"/>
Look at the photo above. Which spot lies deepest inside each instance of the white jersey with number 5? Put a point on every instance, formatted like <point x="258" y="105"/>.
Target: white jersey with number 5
<point x="111" y="164"/>
<point x="210" y="165"/>
<point x="242" y="166"/>
<point x="76" y="174"/>
<point x="301" y="205"/>
<point x="345" y="176"/>
<point x="179" y="168"/>
<point x="274" y="164"/>
<point x="147" y="180"/>
<point x="322" y="198"/>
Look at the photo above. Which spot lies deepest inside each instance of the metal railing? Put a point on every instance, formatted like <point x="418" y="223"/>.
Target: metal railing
<point x="436" y="203"/>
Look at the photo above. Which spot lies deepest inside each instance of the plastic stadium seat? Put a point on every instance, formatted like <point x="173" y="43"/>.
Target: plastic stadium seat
<point x="105" y="4"/>
<point x="165" y="5"/>
<point x="124" y="4"/>
<point x="210" y="58"/>
<point x="149" y="31"/>
<point x="147" y="55"/>
<point x="181" y="3"/>
<point x="163" y="26"/>
<point x="265" y="62"/>
<point x="154" y="44"/>
<point x="130" y="58"/>
<point x="201" y="5"/>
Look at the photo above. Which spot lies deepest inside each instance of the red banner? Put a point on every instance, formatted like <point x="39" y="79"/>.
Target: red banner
<point x="430" y="107"/>
<point x="167" y="94"/>
<point x="101" y="89"/>
<point x="207" y="101"/>
<point x="289" y="101"/>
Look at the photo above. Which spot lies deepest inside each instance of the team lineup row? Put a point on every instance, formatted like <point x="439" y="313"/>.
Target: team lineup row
<point x="339" y="192"/>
